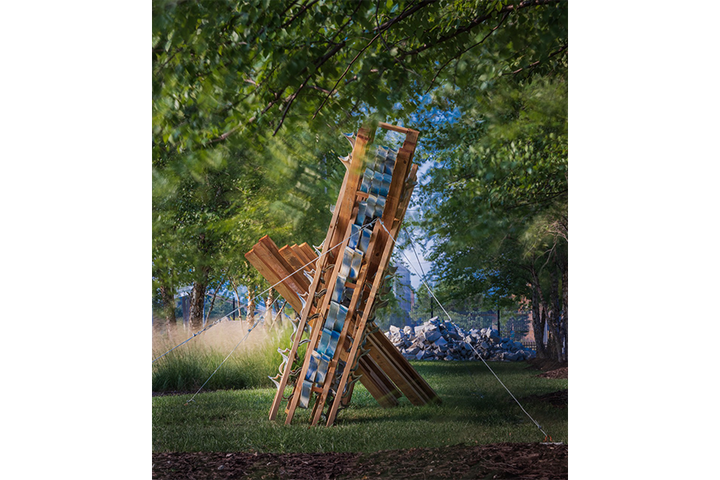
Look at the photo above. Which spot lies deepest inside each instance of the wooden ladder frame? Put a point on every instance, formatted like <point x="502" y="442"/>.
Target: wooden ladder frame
<point x="385" y="373"/>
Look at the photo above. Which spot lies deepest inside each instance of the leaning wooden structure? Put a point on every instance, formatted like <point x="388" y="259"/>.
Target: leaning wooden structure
<point x="338" y="291"/>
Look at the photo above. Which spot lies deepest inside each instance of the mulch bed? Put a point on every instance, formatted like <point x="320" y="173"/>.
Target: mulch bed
<point x="551" y="369"/>
<point x="557" y="373"/>
<point x="503" y="460"/>
<point x="558" y="399"/>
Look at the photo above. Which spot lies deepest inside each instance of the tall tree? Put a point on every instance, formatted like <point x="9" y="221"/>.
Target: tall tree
<point x="497" y="202"/>
<point x="238" y="86"/>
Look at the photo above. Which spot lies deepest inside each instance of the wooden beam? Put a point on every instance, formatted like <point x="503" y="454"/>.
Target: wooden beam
<point x="286" y="289"/>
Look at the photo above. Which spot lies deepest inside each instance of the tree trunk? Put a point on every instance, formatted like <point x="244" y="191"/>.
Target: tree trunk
<point x="556" y="337"/>
<point x="164" y="321"/>
<point x="277" y="321"/>
<point x="212" y="304"/>
<point x="236" y="301"/>
<point x="538" y="317"/>
<point x="268" y="309"/>
<point x="197" y="305"/>
<point x="566" y="309"/>
<point x="250" y="317"/>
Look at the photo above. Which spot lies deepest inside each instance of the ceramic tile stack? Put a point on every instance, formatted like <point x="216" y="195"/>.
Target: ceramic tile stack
<point x="437" y="340"/>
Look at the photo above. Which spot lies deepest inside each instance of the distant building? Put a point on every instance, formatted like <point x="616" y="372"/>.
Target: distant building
<point x="402" y="289"/>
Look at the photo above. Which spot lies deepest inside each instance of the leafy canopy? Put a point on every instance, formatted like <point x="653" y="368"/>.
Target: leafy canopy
<point x="250" y="98"/>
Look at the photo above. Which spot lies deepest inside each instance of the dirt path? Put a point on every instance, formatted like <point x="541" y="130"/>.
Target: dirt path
<point x="504" y="460"/>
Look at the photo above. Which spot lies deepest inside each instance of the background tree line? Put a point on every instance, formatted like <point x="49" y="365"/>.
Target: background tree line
<point x="250" y="100"/>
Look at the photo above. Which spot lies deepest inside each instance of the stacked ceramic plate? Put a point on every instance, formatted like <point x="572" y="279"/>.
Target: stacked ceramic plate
<point x="376" y="183"/>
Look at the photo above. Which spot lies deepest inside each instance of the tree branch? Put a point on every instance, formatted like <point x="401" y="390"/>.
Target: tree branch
<point x="404" y="14"/>
<point x="342" y="27"/>
<point x="478" y="20"/>
<point x="299" y="13"/>
<point x="292" y="98"/>
<point x="382" y="28"/>
<point x="347" y="69"/>
<point x="536" y="63"/>
<point x="225" y="135"/>
<point x="465" y="51"/>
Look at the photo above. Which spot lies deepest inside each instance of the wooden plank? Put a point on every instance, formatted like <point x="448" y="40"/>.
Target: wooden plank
<point x="338" y="233"/>
<point x="346" y="199"/>
<point x="315" y="334"/>
<point x="302" y="254"/>
<point x="274" y="277"/>
<point x="397" y="188"/>
<point x="295" y="263"/>
<point x="304" y="314"/>
<point x="355" y="301"/>
<point x="394" y="371"/>
<point x="378" y="240"/>
<point x="277" y="261"/>
<point x="382" y="344"/>
<point x="320" y="265"/>
<point x="395" y="128"/>
<point x="369" y="380"/>
<point x="399" y="369"/>
<point x="388" y="394"/>
<point x="308" y="252"/>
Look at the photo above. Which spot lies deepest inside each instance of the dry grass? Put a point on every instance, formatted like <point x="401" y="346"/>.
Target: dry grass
<point x="190" y="365"/>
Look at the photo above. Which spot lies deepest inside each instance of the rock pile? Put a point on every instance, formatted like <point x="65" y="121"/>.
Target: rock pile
<point x="437" y="340"/>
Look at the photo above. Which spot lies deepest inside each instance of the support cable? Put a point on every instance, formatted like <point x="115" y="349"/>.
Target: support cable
<point x="225" y="359"/>
<point x="258" y="320"/>
<point x="449" y="318"/>
<point x="264" y="291"/>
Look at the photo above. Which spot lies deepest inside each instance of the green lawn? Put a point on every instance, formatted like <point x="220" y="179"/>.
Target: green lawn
<point x="475" y="409"/>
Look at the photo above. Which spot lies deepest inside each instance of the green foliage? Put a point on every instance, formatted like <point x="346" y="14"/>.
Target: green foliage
<point x="229" y="72"/>
<point x="497" y="199"/>
<point x="204" y="221"/>
<point x="250" y="98"/>
<point x="189" y="366"/>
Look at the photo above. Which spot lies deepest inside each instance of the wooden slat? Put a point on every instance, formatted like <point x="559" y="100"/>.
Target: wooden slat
<point x="396" y="373"/>
<point x="382" y="344"/>
<point x="320" y="265"/>
<point x="355" y="302"/>
<point x="395" y="128"/>
<point x="308" y="251"/>
<point x="278" y="262"/>
<point x="274" y="277"/>
<point x="384" y="352"/>
<point x="300" y="254"/>
<point x="387" y="397"/>
<point x="305" y="312"/>
<point x="297" y="264"/>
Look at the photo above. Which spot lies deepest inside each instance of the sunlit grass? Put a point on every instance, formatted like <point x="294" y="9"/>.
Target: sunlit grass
<point x="475" y="409"/>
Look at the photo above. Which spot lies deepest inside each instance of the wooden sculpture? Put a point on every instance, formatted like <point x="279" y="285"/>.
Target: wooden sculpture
<point x="337" y="292"/>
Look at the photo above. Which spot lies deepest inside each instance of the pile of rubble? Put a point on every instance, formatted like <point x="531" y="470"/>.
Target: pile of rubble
<point x="437" y="340"/>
